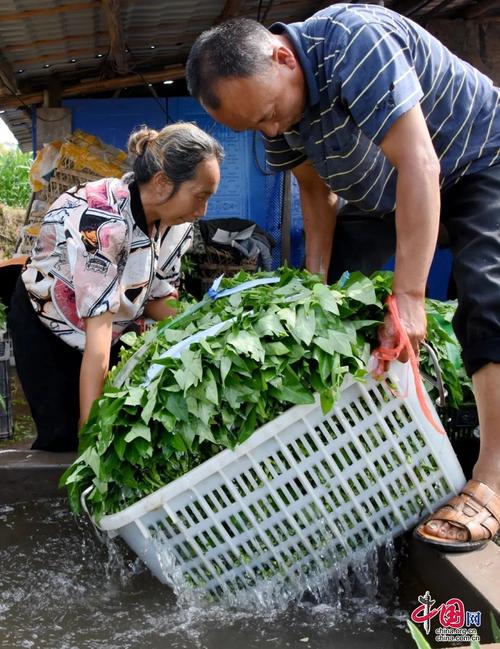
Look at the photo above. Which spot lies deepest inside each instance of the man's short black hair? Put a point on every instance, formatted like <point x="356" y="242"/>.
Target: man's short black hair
<point x="235" y="48"/>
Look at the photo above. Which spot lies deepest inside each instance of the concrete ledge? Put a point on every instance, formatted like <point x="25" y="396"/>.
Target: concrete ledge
<point x="496" y="645"/>
<point x="27" y="475"/>
<point x="471" y="576"/>
<point x="482" y="570"/>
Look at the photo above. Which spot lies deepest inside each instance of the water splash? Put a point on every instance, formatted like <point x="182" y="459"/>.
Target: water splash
<point x="60" y="587"/>
<point x="349" y="588"/>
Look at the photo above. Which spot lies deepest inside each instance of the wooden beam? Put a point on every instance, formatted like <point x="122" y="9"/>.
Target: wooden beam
<point x="231" y="8"/>
<point x="434" y="12"/>
<point x="410" y="7"/>
<point x="117" y="52"/>
<point x="7" y="78"/>
<point x="482" y="8"/>
<point x="131" y="80"/>
<point x="8" y="103"/>
<point x="98" y="85"/>
<point x="48" y="11"/>
<point x="30" y="45"/>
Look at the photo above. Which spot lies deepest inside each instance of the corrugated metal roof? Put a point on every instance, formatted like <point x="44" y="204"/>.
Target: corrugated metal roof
<point x="59" y="43"/>
<point x="20" y="125"/>
<point x="67" y="44"/>
<point x="30" y="42"/>
<point x="427" y="9"/>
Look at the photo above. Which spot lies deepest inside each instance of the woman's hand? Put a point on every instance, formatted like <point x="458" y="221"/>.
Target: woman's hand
<point x="159" y="309"/>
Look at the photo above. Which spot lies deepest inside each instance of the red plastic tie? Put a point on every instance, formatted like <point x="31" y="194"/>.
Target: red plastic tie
<point x="392" y="353"/>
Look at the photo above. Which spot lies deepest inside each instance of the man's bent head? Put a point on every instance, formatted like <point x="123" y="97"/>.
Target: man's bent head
<point x="246" y="77"/>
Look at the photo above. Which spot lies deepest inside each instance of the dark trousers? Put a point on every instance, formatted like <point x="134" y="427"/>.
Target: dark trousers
<point x="49" y="372"/>
<point x="470" y="214"/>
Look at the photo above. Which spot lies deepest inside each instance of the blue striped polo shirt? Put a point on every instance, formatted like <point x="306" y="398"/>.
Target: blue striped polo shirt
<point x="364" y="67"/>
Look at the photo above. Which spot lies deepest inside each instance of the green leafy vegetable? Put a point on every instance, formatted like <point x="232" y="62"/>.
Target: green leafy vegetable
<point x="3" y="316"/>
<point x="281" y="344"/>
<point x="416" y="634"/>
<point x="495" y="629"/>
<point x="444" y="342"/>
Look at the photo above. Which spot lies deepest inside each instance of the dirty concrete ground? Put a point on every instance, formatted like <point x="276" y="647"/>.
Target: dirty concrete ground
<point x="23" y="429"/>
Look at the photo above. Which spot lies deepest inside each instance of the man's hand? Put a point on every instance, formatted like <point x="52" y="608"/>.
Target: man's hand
<point x="319" y="215"/>
<point x="413" y="321"/>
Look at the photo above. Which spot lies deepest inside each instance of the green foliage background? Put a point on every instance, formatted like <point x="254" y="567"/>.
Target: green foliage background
<point x="3" y="316"/>
<point x="15" y="190"/>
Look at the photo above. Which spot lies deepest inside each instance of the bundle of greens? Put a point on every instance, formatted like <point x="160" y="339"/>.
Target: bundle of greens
<point x="3" y="317"/>
<point x="441" y="336"/>
<point x="281" y="344"/>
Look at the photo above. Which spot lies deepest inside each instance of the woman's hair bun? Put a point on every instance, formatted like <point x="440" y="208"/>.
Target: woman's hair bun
<point x="139" y="139"/>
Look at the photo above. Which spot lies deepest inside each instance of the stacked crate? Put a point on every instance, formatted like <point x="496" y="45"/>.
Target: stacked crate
<point x="82" y="158"/>
<point x="5" y="396"/>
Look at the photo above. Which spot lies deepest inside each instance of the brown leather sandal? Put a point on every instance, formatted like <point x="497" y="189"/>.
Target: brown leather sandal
<point x="476" y="510"/>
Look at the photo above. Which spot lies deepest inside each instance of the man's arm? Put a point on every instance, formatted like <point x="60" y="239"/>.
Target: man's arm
<point x="319" y="213"/>
<point x="408" y="146"/>
<point x="95" y="362"/>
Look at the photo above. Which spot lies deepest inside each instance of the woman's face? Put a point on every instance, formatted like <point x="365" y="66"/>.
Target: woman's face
<point x="191" y="199"/>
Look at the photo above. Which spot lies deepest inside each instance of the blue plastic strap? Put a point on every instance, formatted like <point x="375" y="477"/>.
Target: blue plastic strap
<point x="212" y="294"/>
<point x="215" y="294"/>
<point x="176" y="350"/>
<point x="343" y="279"/>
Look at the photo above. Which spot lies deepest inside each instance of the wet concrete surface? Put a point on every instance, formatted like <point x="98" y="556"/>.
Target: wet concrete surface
<point x="60" y="587"/>
<point x="27" y="475"/>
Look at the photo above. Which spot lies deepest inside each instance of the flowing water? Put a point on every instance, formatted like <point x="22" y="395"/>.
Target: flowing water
<point x="62" y="588"/>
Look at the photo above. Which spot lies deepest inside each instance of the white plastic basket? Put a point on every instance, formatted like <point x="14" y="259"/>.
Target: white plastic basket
<point x="304" y="492"/>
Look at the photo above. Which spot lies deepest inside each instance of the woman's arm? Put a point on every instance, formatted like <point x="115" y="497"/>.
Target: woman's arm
<point x="95" y="362"/>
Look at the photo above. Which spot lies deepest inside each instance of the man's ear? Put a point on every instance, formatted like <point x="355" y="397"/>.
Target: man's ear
<point x="284" y="56"/>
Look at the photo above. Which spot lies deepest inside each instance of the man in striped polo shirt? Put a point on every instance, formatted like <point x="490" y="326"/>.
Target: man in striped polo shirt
<point x="363" y="104"/>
